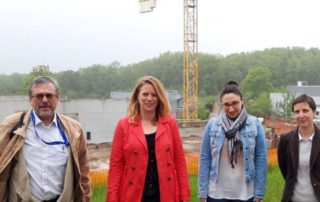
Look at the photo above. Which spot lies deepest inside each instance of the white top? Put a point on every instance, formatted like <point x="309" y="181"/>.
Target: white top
<point x="303" y="190"/>
<point x="46" y="164"/>
<point x="231" y="183"/>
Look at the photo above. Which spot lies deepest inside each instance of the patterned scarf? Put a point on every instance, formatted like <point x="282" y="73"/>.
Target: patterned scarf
<point x="231" y="129"/>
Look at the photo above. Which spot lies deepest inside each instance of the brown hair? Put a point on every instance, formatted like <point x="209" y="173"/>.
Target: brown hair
<point x="231" y="87"/>
<point x="163" y="107"/>
<point x="304" y="98"/>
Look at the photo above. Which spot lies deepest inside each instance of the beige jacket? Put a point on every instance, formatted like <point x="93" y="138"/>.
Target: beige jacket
<point x="14" y="180"/>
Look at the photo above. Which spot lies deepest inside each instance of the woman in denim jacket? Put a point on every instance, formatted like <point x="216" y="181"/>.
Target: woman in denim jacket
<point x="233" y="158"/>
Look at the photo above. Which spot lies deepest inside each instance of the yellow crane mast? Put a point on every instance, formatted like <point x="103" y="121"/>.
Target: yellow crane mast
<point x="190" y="60"/>
<point x="190" y="55"/>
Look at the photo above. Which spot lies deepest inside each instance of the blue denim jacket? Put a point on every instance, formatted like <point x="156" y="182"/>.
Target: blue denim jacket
<point x="254" y="154"/>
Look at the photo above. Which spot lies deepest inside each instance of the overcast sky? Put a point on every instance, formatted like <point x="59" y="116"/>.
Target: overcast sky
<point x="70" y="34"/>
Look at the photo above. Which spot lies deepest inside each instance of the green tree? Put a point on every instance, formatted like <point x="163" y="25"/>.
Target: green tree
<point x="283" y="108"/>
<point x="71" y="83"/>
<point x="261" y="106"/>
<point x="12" y="85"/>
<point x="40" y="70"/>
<point x="257" y="81"/>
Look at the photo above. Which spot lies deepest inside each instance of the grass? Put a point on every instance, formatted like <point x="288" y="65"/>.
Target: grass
<point x="99" y="194"/>
<point x="273" y="192"/>
<point x="193" y="179"/>
<point x="275" y="184"/>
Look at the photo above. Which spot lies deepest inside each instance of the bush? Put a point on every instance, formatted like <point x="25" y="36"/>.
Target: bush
<point x="203" y="114"/>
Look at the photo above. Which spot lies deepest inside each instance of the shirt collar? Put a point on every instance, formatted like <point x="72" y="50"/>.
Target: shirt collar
<point x="38" y="120"/>
<point x="310" y="138"/>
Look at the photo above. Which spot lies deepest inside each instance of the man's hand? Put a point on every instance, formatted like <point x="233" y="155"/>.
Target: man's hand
<point x="203" y="200"/>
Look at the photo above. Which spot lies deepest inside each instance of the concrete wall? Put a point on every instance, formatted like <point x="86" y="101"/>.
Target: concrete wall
<point x="11" y="104"/>
<point x="98" y="117"/>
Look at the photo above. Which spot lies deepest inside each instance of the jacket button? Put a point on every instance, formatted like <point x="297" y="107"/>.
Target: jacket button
<point x="168" y="149"/>
<point x="314" y="185"/>
<point x="169" y="164"/>
<point x="169" y="178"/>
<point x="135" y="152"/>
<point x="131" y="182"/>
<point x="133" y="167"/>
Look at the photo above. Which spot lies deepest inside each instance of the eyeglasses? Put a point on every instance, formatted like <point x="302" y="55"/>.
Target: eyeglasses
<point x="40" y="96"/>
<point x="232" y="104"/>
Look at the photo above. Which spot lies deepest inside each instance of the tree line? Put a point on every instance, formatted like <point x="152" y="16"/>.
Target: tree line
<point x="257" y="71"/>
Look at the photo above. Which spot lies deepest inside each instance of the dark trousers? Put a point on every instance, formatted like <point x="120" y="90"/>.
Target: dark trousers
<point x="227" y="200"/>
<point x="52" y="200"/>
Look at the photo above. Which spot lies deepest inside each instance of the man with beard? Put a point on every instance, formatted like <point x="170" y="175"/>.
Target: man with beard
<point x="43" y="154"/>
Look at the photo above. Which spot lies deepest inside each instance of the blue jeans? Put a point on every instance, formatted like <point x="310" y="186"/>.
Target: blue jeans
<point x="227" y="200"/>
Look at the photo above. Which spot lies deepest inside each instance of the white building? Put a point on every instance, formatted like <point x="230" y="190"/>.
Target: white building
<point x="302" y="87"/>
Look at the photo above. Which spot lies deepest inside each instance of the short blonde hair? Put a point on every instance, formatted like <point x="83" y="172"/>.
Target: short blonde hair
<point x="163" y="107"/>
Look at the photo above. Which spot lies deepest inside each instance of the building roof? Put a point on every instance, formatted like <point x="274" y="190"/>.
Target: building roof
<point x="313" y="91"/>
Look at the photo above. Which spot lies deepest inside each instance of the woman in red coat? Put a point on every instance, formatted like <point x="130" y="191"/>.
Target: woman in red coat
<point x="147" y="162"/>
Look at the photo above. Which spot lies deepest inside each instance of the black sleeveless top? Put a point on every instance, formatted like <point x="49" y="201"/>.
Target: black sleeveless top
<point x="151" y="191"/>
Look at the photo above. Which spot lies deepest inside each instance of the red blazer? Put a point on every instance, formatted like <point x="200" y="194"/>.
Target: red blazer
<point x="129" y="161"/>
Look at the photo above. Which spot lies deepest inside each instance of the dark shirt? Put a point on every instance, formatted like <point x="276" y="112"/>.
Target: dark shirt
<point x="151" y="191"/>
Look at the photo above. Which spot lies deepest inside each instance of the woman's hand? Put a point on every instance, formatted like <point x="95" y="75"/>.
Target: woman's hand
<point x="203" y="200"/>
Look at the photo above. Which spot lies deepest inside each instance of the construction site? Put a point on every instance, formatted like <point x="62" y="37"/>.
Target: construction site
<point x="191" y="133"/>
<point x="99" y="117"/>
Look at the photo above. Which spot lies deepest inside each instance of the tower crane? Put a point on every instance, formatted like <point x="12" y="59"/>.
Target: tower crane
<point x="190" y="55"/>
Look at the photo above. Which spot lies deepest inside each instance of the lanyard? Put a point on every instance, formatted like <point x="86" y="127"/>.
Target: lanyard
<point x="63" y="135"/>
